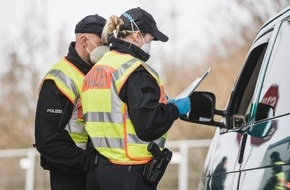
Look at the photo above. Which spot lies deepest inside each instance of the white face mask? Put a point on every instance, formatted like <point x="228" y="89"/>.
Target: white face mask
<point x="98" y="53"/>
<point x="146" y="47"/>
<point x="91" y="52"/>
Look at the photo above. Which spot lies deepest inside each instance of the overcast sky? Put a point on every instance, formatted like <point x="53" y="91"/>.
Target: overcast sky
<point x="70" y="12"/>
<point x="190" y="24"/>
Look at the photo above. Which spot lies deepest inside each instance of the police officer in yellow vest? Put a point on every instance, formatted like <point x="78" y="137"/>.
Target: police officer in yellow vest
<point x="60" y="138"/>
<point x="125" y="105"/>
<point x="277" y="181"/>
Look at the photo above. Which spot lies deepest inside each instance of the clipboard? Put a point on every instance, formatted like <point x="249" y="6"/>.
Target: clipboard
<point x="188" y="90"/>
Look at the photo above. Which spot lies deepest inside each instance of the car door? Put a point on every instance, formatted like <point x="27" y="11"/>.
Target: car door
<point x="268" y="140"/>
<point x="229" y="140"/>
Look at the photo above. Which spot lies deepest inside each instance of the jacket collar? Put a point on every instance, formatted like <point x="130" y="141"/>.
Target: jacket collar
<point x="126" y="47"/>
<point x="76" y="60"/>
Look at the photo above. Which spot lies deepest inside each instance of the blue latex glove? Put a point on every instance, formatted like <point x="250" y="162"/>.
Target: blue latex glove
<point x="171" y="101"/>
<point x="183" y="105"/>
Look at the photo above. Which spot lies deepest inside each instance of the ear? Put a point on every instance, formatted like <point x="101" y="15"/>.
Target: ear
<point x="136" y="35"/>
<point x="83" y="40"/>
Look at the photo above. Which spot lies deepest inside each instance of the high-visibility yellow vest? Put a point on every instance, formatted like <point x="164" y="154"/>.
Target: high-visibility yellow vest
<point x="106" y="116"/>
<point x="69" y="80"/>
<point x="280" y="185"/>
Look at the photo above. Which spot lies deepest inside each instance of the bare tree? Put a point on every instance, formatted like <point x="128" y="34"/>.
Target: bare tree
<point x="20" y="79"/>
<point x="226" y="54"/>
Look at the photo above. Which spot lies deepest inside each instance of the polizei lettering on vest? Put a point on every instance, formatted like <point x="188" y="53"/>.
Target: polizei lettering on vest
<point x="99" y="77"/>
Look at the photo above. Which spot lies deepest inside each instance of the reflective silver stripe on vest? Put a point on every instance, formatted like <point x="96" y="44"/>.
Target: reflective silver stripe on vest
<point x="82" y="145"/>
<point x="134" y="139"/>
<point x="115" y="116"/>
<point x="104" y="117"/>
<point x="73" y="126"/>
<point x="146" y="66"/>
<point x="101" y="142"/>
<point x="65" y="79"/>
<point x="118" y="73"/>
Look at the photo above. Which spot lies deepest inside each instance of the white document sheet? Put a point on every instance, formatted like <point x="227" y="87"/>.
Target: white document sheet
<point x="188" y="90"/>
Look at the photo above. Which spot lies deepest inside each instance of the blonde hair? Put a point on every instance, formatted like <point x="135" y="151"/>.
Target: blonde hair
<point x="112" y="27"/>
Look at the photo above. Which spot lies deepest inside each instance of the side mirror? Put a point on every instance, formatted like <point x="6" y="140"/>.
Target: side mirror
<point x="264" y="111"/>
<point x="202" y="109"/>
<point x="262" y="129"/>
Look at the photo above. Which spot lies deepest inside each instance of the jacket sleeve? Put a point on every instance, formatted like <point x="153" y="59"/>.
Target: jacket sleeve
<point x="150" y="118"/>
<point x="55" y="145"/>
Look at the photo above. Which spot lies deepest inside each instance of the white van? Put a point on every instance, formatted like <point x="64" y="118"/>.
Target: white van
<point x="251" y="146"/>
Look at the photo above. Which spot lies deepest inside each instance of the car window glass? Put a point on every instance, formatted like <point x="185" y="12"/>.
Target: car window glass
<point x="245" y="86"/>
<point x="276" y="89"/>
